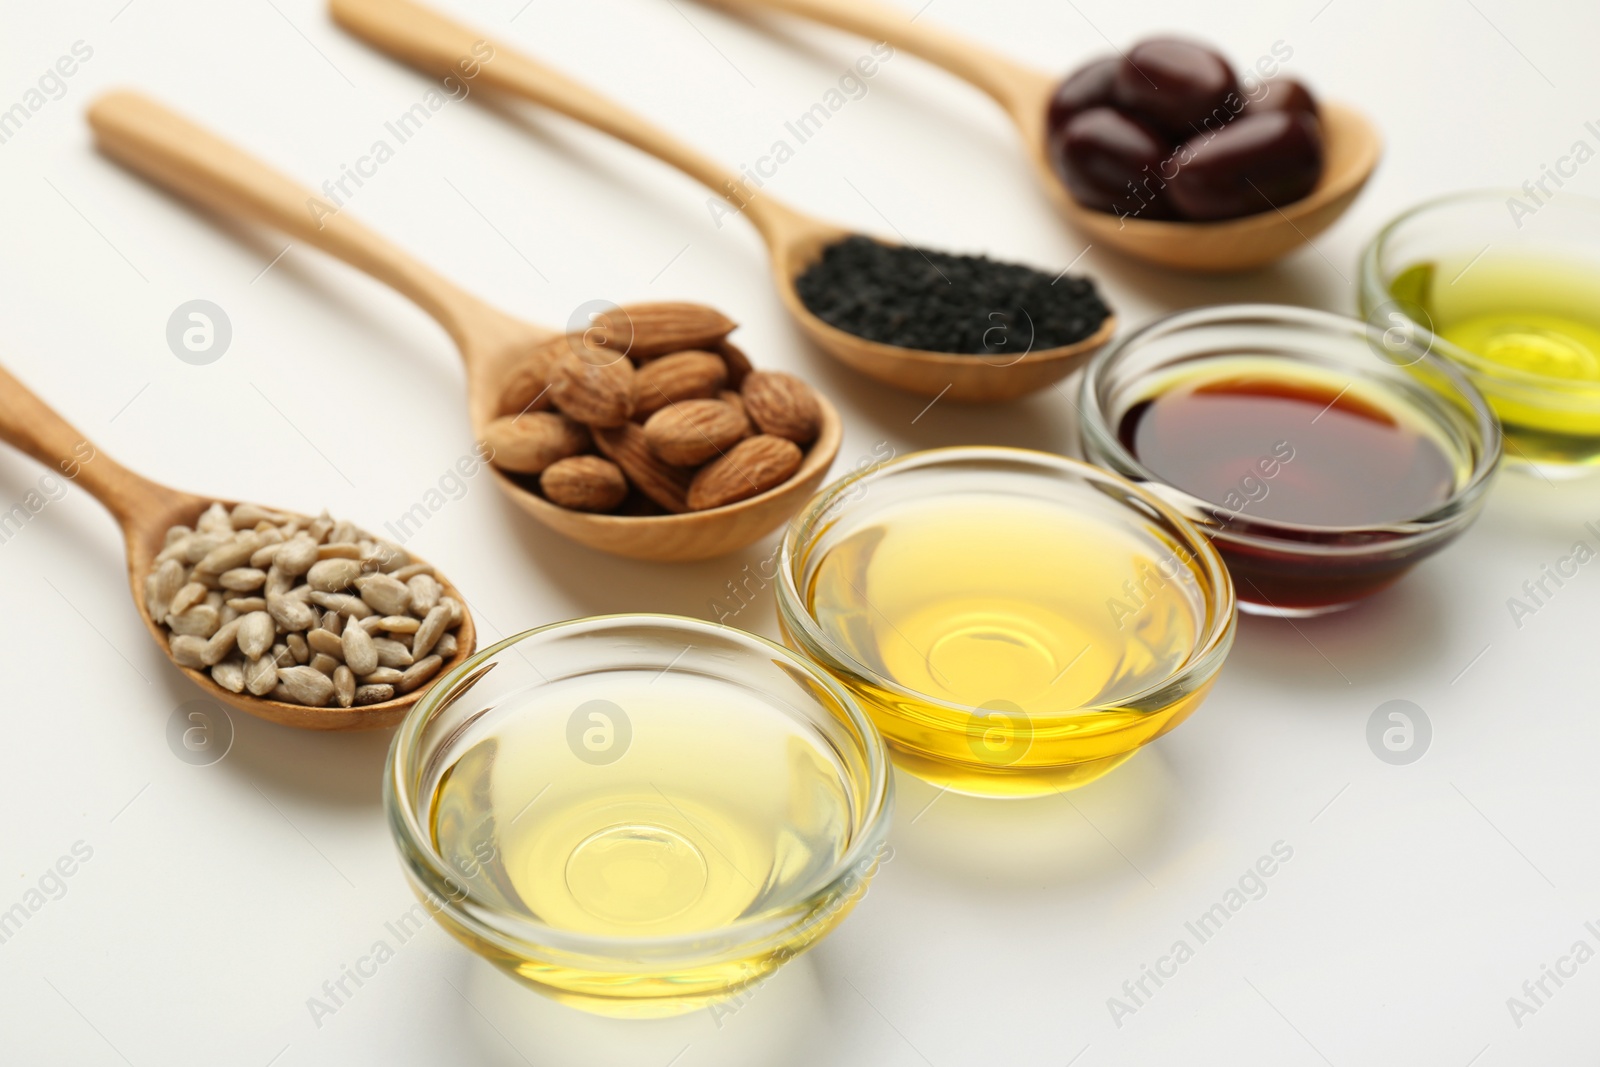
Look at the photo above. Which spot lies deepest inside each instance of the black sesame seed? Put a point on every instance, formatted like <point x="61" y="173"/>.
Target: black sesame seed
<point x="938" y="302"/>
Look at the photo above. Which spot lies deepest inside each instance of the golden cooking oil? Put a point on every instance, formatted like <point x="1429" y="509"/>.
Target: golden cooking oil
<point x="1523" y="315"/>
<point x="632" y="805"/>
<point x="1013" y="633"/>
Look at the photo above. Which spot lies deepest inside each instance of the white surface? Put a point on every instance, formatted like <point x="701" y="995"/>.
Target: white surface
<point x="219" y="899"/>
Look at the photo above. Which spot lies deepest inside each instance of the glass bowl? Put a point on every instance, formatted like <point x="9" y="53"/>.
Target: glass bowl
<point x="1506" y="285"/>
<point x="638" y="815"/>
<point x="1286" y="568"/>
<point x="1016" y="623"/>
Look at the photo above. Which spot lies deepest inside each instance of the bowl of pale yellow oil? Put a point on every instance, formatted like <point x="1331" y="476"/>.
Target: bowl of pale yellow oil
<point x="1016" y="623"/>
<point x="638" y="815"/>
<point x="1506" y="284"/>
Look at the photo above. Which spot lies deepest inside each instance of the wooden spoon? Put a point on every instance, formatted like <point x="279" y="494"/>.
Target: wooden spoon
<point x="187" y="159"/>
<point x="795" y="241"/>
<point x="1352" y="145"/>
<point x="146" y="511"/>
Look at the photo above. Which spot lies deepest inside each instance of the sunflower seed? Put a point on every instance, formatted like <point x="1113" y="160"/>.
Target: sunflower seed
<point x="326" y="643"/>
<point x="299" y="649"/>
<point x="425" y="593"/>
<point x="333" y="575"/>
<point x="344" y="686"/>
<point x="306" y="685"/>
<point x="260" y="676"/>
<point x="202" y="620"/>
<point x="374" y="694"/>
<point x="291" y="614"/>
<point x="230" y="675"/>
<point x="324" y="664"/>
<point x="392" y="653"/>
<point x="220" y="644"/>
<point x="187" y="651"/>
<point x="242" y="579"/>
<point x="432" y="629"/>
<point x="386" y="595"/>
<point x="381" y="676"/>
<point x="359" y="653"/>
<point x="343" y="603"/>
<point x="419" y="672"/>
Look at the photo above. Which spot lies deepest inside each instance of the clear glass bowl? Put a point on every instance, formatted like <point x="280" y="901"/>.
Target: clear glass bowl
<point x="1284" y="568"/>
<point x="638" y="815"/>
<point x="902" y="535"/>
<point x="1520" y="257"/>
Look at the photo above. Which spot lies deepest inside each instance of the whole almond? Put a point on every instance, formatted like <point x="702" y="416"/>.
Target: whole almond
<point x="527" y="444"/>
<point x="752" y="466"/>
<point x="783" y="406"/>
<point x="648" y="331"/>
<point x="627" y="447"/>
<point x="584" y="483"/>
<point x="694" y="431"/>
<point x="738" y="363"/>
<point x="680" y="376"/>
<point x="594" y="386"/>
<point x="527" y="384"/>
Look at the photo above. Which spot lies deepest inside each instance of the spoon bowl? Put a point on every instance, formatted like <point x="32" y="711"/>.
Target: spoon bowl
<point x="146" y="510"/>
<point x="1351" y="141"/>
<point x="795" y="241"/>
<point x="495" y="348"/>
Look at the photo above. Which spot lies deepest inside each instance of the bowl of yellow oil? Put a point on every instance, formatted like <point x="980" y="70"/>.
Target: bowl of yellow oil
<point x="1016" y="623"/>
<point x="1506" y="284"/>
<point x="638" y="815"/>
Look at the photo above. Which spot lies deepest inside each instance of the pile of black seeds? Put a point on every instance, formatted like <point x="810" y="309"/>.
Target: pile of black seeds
<point x="917" y="298"/>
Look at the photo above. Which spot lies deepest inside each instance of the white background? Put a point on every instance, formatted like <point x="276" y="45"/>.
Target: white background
<point x="218" y="899"/>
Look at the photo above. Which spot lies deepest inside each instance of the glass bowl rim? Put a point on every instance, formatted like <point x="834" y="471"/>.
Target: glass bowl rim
<point x="1099" y="438"/>
<point x="417" y="850"/>
<point x="1216" y="630"/>
<point x="1373" y="294"/>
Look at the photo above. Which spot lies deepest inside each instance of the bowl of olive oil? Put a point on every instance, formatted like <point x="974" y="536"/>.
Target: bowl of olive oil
<point x="1015" y="623"/>
<point x="1506" y="284"/>
<point x="638" y="815"/>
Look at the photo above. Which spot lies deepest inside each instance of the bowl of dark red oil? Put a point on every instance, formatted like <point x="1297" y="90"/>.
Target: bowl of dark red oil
<point x="1323" y="456"/>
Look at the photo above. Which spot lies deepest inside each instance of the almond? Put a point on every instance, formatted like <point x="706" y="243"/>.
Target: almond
<point x="527" y="444"/>
<point x="661" y="329"/>
<point x="527" y="389"/>
<point x="694" y="431"/>
<point x="593" y="385"/>
<point x="584" y="483"/>
<point x="735" y="401"/>
<point x="783" y="406"/>
<point x="738" y="363"/>
<point x="627" y="447"/>
<point x="752" y="466"/>
<point x="680" y="376"/>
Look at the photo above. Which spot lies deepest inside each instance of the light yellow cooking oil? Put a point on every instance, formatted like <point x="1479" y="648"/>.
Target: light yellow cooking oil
<point x="1014" y="633"/>
<point x="643" y="805"/>
<point x="1535" y="324"/>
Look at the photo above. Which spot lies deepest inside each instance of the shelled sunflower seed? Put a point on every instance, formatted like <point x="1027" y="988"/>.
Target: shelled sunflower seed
<point x="305" y="611"/>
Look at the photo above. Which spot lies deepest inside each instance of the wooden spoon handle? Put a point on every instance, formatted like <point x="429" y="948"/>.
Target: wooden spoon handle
<point x="32" y="426"/>
<point x="441" y="47"/>
<point x="193" y="162"/>
<point x="1016" y="88"/>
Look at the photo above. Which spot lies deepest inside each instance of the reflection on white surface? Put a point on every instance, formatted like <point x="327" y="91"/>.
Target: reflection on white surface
<point x="778" y="1024"/>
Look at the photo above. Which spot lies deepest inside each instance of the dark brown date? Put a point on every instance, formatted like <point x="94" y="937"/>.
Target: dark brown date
<point x="1088" y="86"/>
<point x="1255" y="163"/>
<point x="1178" y="86"/>
<point x="1281" y="94"/>
<point x="1111" y="162"/>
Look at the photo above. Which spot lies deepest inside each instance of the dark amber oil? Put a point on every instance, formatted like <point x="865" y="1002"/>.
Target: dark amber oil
<point x="1327" y="459"/>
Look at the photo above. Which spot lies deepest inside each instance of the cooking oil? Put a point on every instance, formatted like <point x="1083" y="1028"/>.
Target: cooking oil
<point x="1003" y="638"/>
<point x="1534" y="323"/>
<point x="640" y="805"/>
